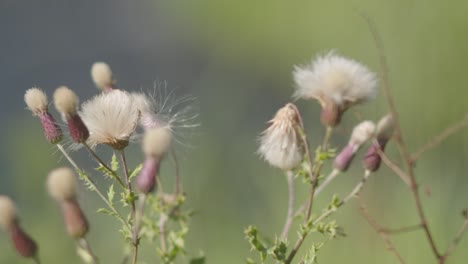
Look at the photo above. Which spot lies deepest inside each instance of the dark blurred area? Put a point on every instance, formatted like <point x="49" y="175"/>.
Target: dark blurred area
<point x="236" y="58"/>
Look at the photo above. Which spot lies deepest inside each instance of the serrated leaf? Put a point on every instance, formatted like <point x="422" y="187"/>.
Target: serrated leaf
<point x="135" y="171"/>
<point x="85" y="178"/>
<point x="111" y="194"/>
<point x="114" y="163"/>
<point x="107" y="212"/>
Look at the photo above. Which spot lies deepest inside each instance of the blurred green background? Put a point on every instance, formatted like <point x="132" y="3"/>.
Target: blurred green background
<point x="236" y="58"/>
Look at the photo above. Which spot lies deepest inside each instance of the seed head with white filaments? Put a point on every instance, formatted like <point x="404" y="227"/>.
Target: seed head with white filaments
<point x="36" y="100"/>
<point x="101" y="74"/>
<point x="66" y="101"/>
<point x="111" y="118"/>
<point x="163" y="109"/>
<point x="61" y="184"/>
<point x="7" y="213"/>
<point x="336" y="82"/>
<point x="280" y="143"/>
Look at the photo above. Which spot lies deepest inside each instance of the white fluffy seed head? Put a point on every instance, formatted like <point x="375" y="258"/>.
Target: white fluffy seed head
<point x="7" y="212"/>
<point x="362" y="132"/>
<point x="66" y="101"/>
<point x="111" y="118"/>
<point x="280" y="143"/>
<point x="61" y="184"/>
<point x="156" y="142"/>
<point x="101" y="74"/>
<point x="332" y="77"/>
<point x="385" y="128"/>
<point x="36" y="100"/>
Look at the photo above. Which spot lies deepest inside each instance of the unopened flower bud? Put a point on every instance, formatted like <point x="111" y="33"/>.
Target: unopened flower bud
<point x="361" y="133"/>
<point x="23" y="244"/>
<point x="61" y="185"/>
<point x="156" y="143"/>
<point x="101" y="74"/>
<point x="36" y="100"/>
<point x="385" y="129"/>
<point x="66" y="102"/>
<point x="280" y="143"/>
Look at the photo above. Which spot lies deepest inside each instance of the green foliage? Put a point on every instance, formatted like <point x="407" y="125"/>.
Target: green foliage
<point x="311" y="255"/>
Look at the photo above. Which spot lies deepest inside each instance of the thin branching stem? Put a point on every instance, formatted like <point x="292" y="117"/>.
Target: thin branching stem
<point x="135" y="254"/>
<point x="92" y="183"/>
<point x="384" y="235"/>
<point x="127" y="180"/>
<point x="401" y="230"/>
<point x="139" y="218"/>
<point x="104" y="165"/>
<point x="313" y="176"/>
<point x="399" y="138"/>
<point x="453" y="245"/>
<point x="290" y="213"/>
<point x="327" y="181"/>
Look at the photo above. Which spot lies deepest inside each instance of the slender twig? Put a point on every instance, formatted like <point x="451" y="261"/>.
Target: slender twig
<point x="327" y="181"/>
<point x="390" y="246"/>
<point x="127" y="180"/>
<point x="290" y="213"/>
<point x="392" y="165"/>
<point x="103" y="164"/>
<point x="139" y="218"/>
<point x="404" y="229"/>
<point x="135" y="254"/>
<point x="83" y="244"/>
<point x="162" y="232"/>
<point x="435" y="141"/>
<point x="93" y="184"/>
<point x="456" y="240"/>
<point x="177" y="186"/>
<point x="399" y="138"/>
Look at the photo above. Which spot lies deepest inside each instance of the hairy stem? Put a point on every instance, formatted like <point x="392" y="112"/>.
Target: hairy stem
<point x="290" y="213"/>
<point x="127" y="180"/>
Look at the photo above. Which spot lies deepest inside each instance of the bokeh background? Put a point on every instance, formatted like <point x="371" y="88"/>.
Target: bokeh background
<point x="236" y="58"/>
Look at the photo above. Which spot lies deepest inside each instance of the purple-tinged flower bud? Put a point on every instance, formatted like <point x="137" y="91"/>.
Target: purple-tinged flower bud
<point x="156" y="143"/>
<point x="66" y="102"/>
<point x="23" y="244"/>
<point x="385" y="129"/>
<point x="361" y="133"/>
<point x="36" y="100"/>
<point x="61" y="185"/>
<point x="101" y="74"/>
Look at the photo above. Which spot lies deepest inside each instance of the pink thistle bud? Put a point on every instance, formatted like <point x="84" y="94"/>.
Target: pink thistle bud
<point x="76" y="223"/>
<point x="156" y="143"/>
<point x="61" y="185"/>
<point x="66" y="102"/>
<point x="146" y="180"/>
<point x="23" y="244"/>
<point x="361" y="133"/>
<point x="385" y="129"/>
<point x="36" y="100"/>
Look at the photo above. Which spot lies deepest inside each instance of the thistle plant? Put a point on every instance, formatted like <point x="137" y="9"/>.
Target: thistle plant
<point x="337" y="83"/>
<point x="133" y="195"/>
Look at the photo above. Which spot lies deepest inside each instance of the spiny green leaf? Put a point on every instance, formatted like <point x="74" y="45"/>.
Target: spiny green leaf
<point x="110" y="194"/>
<point x="107" y="212"/>
<point x="114" y="163"/>
<point x="85" y="178"/>
<point x="135" y="171"/>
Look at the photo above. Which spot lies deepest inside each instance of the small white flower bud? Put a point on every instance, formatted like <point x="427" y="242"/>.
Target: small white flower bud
<point x="362" y="132"/>
<point x="385" y="128"/>
<point x="280" y="144"/>
<point x="101" y="74"/>
<point x="36" y="100"/>
<point x="7" y="213"/>
<point x="156" y="142"/>
<point x="66" y="101"/>
<point x="61" y="184"/>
